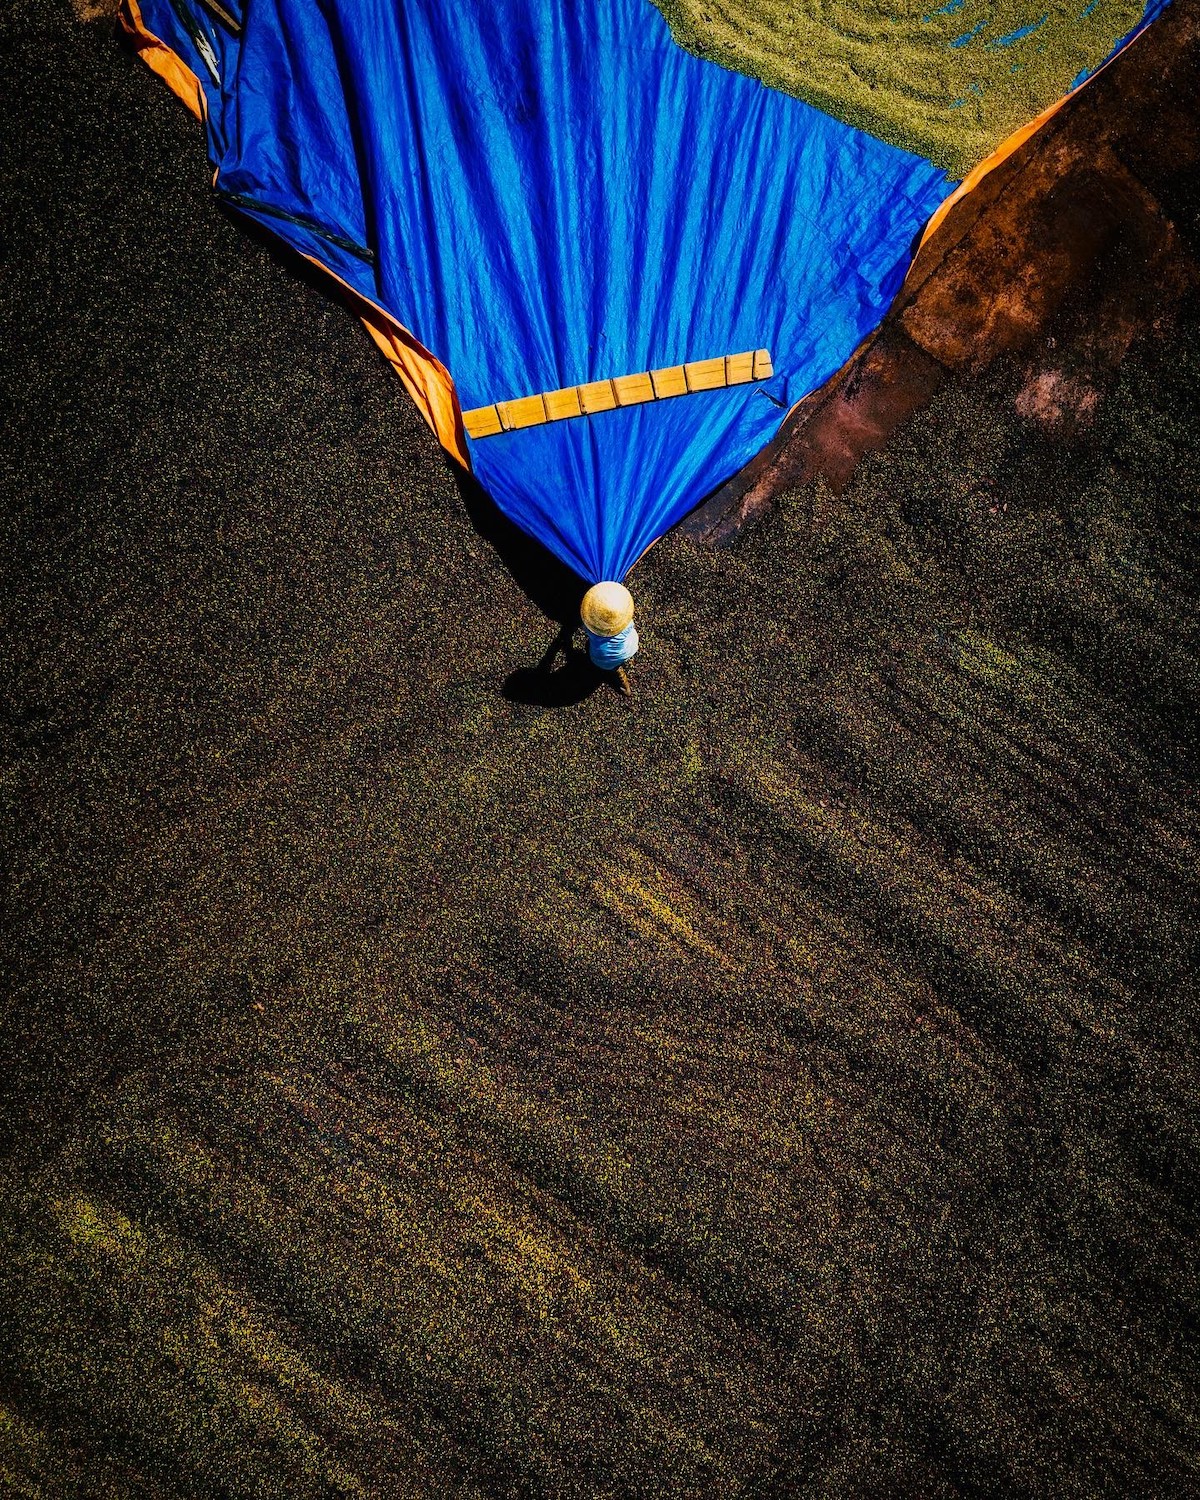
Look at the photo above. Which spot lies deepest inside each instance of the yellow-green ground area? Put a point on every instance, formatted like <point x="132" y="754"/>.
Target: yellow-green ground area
<point x="783" y="1085"/>
<point x="948" y="82"/>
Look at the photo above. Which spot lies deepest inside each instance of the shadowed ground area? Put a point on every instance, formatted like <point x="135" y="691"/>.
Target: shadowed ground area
<point x="781" y="1085"/>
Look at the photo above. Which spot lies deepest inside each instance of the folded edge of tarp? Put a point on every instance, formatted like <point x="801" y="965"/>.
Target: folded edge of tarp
<point x="425" y="378"/>
<point x="159" y="58"/>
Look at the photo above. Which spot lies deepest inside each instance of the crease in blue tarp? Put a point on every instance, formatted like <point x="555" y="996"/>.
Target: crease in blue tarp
<point x="552" y="192"/>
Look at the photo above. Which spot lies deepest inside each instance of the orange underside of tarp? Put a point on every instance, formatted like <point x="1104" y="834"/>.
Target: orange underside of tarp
<point x="158" y="57"/>
<point x="425" y="378"/>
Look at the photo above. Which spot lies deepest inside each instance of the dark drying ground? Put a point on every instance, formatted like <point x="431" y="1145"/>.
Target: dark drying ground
<point x="784" y="1085"/>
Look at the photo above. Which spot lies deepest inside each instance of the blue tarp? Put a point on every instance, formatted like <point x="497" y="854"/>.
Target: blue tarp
<point x="548" y="192"/>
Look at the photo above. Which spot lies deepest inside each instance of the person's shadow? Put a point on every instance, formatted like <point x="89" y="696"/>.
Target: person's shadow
<point x="555" y="687"/>
<point x="556" y="591"/>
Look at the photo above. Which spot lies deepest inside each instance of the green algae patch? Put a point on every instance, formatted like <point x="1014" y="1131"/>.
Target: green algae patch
<point x="948" y="82"/>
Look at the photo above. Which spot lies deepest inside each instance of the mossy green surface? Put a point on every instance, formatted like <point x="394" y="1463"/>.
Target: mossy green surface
<point x="948" y="82"/>
<point x="781" y="1085"/>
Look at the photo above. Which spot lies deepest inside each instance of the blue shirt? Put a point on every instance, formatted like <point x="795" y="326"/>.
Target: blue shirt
<point x="609" y="651"/>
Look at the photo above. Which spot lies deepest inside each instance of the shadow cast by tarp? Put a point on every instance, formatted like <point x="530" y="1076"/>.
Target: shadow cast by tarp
<point x="549" y="584"/>
<point x="541" y="576"/>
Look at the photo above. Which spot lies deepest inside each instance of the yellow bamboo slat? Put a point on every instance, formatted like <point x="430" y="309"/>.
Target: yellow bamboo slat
<point x="622" y="390"/>
<point x="632" y="390"/>
<point x="526" y="411"/>
<point x="669" y="382"/>
<point x="563" y="404"/>
<point x="705" y="374"/>
<point x="598" y="395"/>
<point x="482" y="421"/>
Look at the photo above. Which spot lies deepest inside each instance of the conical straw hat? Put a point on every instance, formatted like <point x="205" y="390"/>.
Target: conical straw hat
<point x="607" y="608"/>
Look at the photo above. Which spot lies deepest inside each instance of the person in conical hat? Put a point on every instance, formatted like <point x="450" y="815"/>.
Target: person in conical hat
<point x="607" y="614"/>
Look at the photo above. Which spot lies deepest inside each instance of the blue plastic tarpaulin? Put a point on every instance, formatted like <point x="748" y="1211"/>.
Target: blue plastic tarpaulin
<point x="551" y="192"/>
